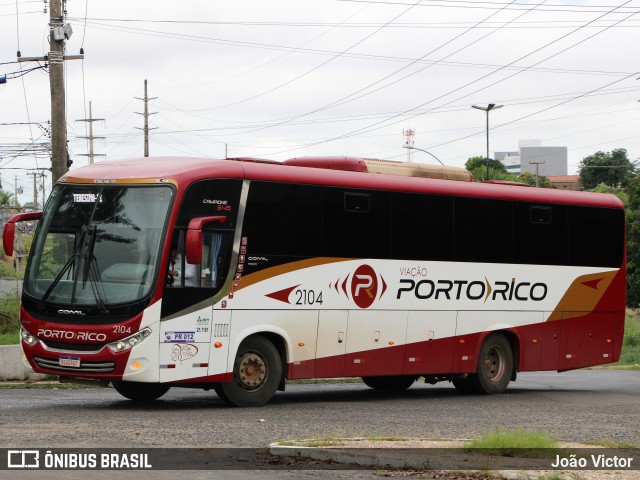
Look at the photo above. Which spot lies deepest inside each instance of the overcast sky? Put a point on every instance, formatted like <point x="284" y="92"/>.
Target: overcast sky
<point x="288" y="78"/>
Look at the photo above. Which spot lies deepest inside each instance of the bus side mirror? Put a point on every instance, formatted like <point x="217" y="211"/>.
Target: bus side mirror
<point x="9" y="232"/>
<point x="193" y="244"/>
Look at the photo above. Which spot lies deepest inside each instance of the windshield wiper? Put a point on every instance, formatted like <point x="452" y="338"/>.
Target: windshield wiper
<point x="91" y="270"/>
<point x="74" y="256"/>
<point x="87" y="239"/>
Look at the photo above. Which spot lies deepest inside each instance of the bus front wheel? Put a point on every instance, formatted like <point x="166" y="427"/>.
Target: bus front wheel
<point x="395" y="383"/>
<point x="141" y="392"/>
<point x="257" y="371"/>
<point x="495" y="366"/>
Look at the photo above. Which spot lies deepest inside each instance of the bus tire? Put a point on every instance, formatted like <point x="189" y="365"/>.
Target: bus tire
<point x="495" y="366"/>
<point x="257" y="371"/>
<point x="141" y="392"/>
<point x="220" y="393"/>
<point x="463" y="384"/>
<point x="394" y="383"/>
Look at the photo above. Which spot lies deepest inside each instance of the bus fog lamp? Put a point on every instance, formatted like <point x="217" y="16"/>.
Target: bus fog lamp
<point x="129" y="342"/>
<point x="27" y="337"/>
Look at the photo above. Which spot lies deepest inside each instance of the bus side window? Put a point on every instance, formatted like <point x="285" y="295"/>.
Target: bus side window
<point x="214" y="259"/>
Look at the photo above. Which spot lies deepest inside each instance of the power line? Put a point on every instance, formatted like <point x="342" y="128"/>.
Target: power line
<point x="491" y="5"/>
<point x="376" y="125"/>
<point x="301" y="50"/>
<point x="356" y="95"/>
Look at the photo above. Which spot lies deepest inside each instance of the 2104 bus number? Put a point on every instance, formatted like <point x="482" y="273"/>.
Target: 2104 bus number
<point x="308" y="297"/>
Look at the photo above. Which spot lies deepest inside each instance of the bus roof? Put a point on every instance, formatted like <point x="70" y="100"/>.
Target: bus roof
<point x="184" y="170"/>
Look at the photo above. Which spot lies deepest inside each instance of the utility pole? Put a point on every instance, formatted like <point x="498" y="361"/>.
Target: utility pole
<point x="42" y="176"/>
<point x="91" y="138"/>
<point x="59" y="32"/>
<point x="537" y="164"/>
<point x="146" y="114"/>
<point x="35" y="188"/>
<point x="56" y="81"/>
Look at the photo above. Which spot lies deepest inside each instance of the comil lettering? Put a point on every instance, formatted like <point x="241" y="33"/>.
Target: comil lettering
<point x="473" y="290"/>
<point x="71" y="312"/>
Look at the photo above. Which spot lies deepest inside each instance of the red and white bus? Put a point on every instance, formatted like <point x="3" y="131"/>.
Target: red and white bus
<point x="240" y="274"/>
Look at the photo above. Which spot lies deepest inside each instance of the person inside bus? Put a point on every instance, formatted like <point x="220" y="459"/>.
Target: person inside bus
<point x="175" y="271"/>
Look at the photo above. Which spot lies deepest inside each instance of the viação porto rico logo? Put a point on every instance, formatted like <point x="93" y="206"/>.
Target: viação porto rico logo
<point x="363" y="286"/>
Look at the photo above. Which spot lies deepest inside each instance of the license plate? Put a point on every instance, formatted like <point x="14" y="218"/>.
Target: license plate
<point x="69" y="362"/>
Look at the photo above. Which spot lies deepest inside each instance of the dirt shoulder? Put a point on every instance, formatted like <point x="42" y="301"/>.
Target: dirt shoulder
<point x="415" y="456"/>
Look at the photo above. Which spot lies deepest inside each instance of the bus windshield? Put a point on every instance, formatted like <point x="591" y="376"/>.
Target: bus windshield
<point x="98" y="246"/>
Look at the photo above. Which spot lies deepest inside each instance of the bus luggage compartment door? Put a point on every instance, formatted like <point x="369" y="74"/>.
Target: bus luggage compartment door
<point x="331" y="343"/>
<point x="375" y="343"/>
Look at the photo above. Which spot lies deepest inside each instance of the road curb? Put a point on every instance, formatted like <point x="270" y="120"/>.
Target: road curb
<point x="383" y="458"/>
<point x="12" y="366"/>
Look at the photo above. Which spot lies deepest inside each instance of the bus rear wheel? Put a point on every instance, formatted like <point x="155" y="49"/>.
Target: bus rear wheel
<point x="395" y="383"/>
<point x="257" y="371"/>
<point x="141" y="392"/>
<point x="495" y="366"/>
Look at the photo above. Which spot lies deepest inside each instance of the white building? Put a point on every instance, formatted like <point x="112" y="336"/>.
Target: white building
<point x="532" y="157"/>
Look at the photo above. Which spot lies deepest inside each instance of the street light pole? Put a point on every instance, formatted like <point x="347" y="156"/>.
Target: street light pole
<point x="411" y="147"/>
<point x="487" y="109"/>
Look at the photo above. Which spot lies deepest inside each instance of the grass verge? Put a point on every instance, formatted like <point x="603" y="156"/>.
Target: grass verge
<point x="9" y="319"/>
<point x="631" y="344"/>
<point x="515" y="443"/>
<point x="11" y="338"/>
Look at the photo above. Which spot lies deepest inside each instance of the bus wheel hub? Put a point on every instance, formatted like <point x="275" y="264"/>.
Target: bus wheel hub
<point x="252" y="371"/>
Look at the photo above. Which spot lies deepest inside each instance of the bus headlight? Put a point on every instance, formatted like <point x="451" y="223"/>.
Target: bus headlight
<point x="129" y="342"/>
<point x="27" y="337"/>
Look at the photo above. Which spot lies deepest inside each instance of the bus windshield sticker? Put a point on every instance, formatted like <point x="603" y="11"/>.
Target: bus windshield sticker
<point x="86" y="198"/>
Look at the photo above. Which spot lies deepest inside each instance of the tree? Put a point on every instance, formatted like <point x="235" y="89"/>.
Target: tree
<point x="6" y="199"/>
<point x="630" y="196"/>
<point x="475" y="163"/>
<point x="633" y="242"/>
<point x="530" y="179"/>
<point x="611" y="168"/>
<point x="497" y="171"/>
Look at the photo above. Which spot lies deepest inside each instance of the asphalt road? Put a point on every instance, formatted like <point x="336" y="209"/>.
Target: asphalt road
<point x="580" y="406"/>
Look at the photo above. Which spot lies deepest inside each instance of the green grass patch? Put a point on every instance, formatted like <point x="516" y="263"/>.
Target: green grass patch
<point x="515" y="443"/>
<point x="10" y="338"/>
<point x="7" y="270"/>
<point x="46" y="385"/>
<point x="9" y="319"/>
<point x="324" y="441"/>
<point x="612" y="444"/>
<point x="631" y="344"/>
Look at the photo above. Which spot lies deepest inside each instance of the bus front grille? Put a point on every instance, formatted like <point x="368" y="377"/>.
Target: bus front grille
<point x="85" y="366"/>
<point x="73" y="347"/>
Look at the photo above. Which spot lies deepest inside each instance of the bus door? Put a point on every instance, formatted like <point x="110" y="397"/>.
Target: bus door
<point x="202" y="243"/>
<point x="194" y="339"/>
